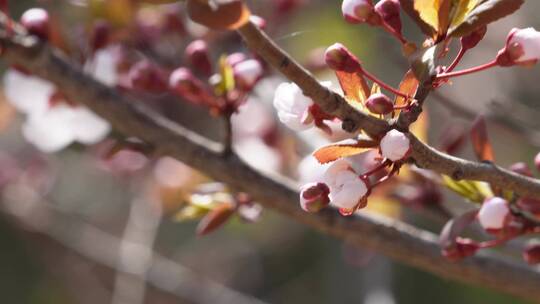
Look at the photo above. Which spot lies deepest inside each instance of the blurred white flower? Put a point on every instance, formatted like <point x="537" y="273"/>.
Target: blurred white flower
<point x="258" y="155"/>
<point x="103" y="66"/>
<point x="493" y="214"/>
<point x="395" y="145"/>
<point x="293" y="107"/>
<point x="248" y="72"/>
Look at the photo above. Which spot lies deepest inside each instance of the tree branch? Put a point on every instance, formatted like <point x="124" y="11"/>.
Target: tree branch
<point x="423" y="155"/>
<point x="397" y="240"/>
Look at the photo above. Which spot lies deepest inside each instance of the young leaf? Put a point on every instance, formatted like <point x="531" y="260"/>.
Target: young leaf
<point x="354" y="87"/>
<point x="227" y="83"/>
<point x="464" y="7"/>
<point x="423" y="64"/>
<point x="219" y="15"/>
<point x="408" y="85"/>
<point x="479" y="137"/>
<point x="408" y="7"/>
<point x="485" y="13"/>
<point x="215" y="218"/>
<point x="455" y="227"/>
<point x="342" y="149"/>
<point x="474" y="191"/>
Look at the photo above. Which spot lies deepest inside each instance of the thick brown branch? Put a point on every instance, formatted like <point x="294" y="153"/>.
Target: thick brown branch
<point x="422" y="154"/>
<point x="394" y="239"/>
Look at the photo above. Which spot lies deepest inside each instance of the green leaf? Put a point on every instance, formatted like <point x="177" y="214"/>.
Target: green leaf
<point x="472" y="190"/>
<point x="484" y="14"/>
<point x="226" y="72"/>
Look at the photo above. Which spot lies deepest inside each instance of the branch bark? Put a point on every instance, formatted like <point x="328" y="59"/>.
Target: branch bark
<point x="397" y="240"/>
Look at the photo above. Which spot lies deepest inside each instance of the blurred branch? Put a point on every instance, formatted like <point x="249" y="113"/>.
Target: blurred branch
<point x="395" y="239"/>
<point x="167" y="278"/>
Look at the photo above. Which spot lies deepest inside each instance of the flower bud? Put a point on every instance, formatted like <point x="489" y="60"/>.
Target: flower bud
<point x="471" y="40"/>
<point x="521" y="168"/>
<point x="389" y="11"/>
<point x="522" y="47"/>
<point x="339" y="58"/>
<point x="537" y="161"/>
<point x="146" y="76"/>
<point x="197" y="56"/>
<point x="314" y="197"/>
<point x="235" y="58"/>
<point x="357" y="11"/>
<point x="259" y="21"/>
<point x="36" y="21"/>
<point x="183" y="83"/>
<point x="531" y="254"/>
<point x="247" y="73"/>
<point x="494" y="214"/>
<point x="379" y="103"/>
<point x="395" y="145"/>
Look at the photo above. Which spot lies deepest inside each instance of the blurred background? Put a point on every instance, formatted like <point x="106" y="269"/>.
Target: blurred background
<point x="112" y="223"/>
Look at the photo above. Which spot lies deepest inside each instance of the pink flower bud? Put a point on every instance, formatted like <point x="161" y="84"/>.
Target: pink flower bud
<point x="357" y="11"/>
<point x="531" y="254"/>
<point x="347" y="189"/>
<point x="235" y="58"/>
<point x="395" y="145"/>
<point x="537" y="161"/>
<point x="521" y="168"/>
<point x="339" y="58"/>
<point x="146" y="76"/>
<point x="259" y="21"/>
<point x="183" y="83"/>
<point x="522" y="47"/>
<point x="493" y="214"/>
<point x="36" y="21"/>
<point x="389" y="11"/>
<point x="379" y="103"/>
<point x="314" y="197"/>
<point x="293" y="107"/>
<point x="197" y="56"/>
<point x="247" y="73"/>
<point x="471" y="40"/>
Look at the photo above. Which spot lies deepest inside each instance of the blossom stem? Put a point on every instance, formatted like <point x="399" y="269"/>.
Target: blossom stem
<point x="383" y="84"/>
<point x="394" y="33"/>
<point x="467" y="71"/>
<point x="379" y="167"/>
<point x="457" y="60"/>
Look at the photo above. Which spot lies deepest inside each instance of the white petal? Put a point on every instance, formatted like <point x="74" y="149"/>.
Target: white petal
<point x="349" y="194"/>
<point x="258" y="155"/>
<point x="87" y="127"/>
<point x="27" y="94"/>
<point x="310" y="170"/>
<point x="104" y="66"/>
<point x="50" y="131"/>
<point x="493" y="213"/>
<point x="395" y="145"/>
<point x="529" y="39"/>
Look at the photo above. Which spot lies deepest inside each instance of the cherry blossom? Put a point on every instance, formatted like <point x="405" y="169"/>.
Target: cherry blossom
<point x="347" y="189"/>
<point x="395" y="145"/>
<point x="523" y="45"/>
<point x="493" y="214"/>
<point x="357" y="11"/>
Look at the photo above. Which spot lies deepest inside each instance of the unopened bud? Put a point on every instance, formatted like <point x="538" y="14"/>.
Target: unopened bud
<point x="247" y="73"/>
<point x="521" y="168"/>
<point x="531" y="254"/>
<point x="146" y="76"/>
<point x="357" y="11"/>
<point x="183" y="83"/>
<point x="36" y="21"/>
<point x="339" y="58"/>
<point x="259" y="21"/>
<point x="471" y="40"/>
<point x="314" y="197"/>
<point x="395" y="145"/>
<point x="389" y="11"/>
<point x="197" y="55"/>
<point x="379" y="103"/>
<point x="537" y="161"/>
<point x="522" y="47"/>
<point x="494" y="214"/>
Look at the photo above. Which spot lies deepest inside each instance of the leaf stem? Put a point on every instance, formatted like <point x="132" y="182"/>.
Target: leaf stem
<point x="472" y="70"/>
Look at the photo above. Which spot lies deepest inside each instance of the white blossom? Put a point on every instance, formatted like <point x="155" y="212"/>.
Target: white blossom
<point x="346" y="187"/>
<point x="395" y="145"/>
<point x="248" y="72"/>
<point x="293" y="106"/>
<point x="528" y="42"/>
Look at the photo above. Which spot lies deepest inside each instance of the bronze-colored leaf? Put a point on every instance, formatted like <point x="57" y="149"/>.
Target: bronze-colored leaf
<point x="480" y="140"/>
<point x="354" y="87"/>
<point x="215" y="218"/>
<point x="485" y="13"/>
<point x="408" y="85"/>
<point x="342" y="149"/>
<point x="423" y="64"/>
<point x="219" y="15"/>
<point x="426" y="28"/>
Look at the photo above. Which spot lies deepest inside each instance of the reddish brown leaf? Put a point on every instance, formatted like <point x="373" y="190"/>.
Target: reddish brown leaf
<point x="219" y="15"/>
<point x="354" y="87"/>
<point x="342" y="149"/>
<point x="215" y="218"/>
<point x="408" y="85"/>
<point x="479" y="137"/>
<point x="484" y="14"/>
<point x="455" y="227"/>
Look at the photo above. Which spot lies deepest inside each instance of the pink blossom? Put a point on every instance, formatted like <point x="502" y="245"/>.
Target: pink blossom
<point x="347" y="189"/>
<point x="493" y="214"/>
<point x="247" y="73"/>
<point x="522" y="46"/>
<point x="357" y="11"/>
